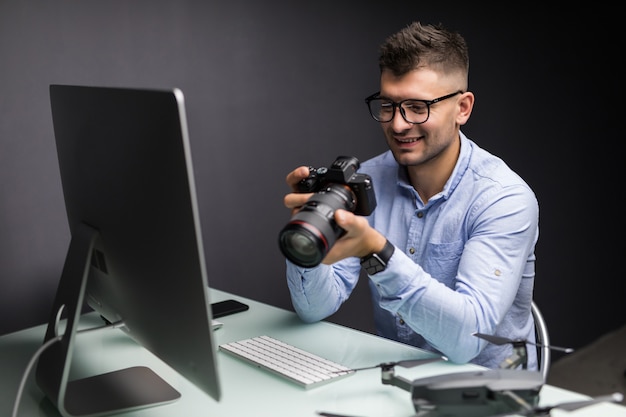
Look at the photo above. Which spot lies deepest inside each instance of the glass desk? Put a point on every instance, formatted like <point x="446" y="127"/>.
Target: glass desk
<point x="248" y="391"/>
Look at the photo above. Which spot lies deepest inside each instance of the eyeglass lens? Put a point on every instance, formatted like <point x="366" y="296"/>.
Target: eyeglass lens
<point x="413" y="111"/>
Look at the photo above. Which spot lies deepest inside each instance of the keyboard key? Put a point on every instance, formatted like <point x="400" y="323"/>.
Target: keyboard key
<point x="294" y="364"/>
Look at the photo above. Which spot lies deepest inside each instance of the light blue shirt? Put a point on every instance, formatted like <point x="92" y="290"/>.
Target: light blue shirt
<point x="463" y="262"/>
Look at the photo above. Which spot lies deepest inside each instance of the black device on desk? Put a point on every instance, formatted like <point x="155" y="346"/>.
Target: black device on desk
<point x="227" y="307"/>
<point x="136" y="253"/>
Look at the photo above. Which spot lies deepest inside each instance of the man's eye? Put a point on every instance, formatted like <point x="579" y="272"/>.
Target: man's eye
<point x="415" y="107"/>
<point x="386" y="106"/>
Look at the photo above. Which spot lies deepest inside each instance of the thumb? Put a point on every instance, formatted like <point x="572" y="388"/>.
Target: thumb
<point x="342" y="218"/>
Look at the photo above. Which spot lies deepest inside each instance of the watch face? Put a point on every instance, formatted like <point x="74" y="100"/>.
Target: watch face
<point x="373" y="264"/>
<point x="377" y="262"/>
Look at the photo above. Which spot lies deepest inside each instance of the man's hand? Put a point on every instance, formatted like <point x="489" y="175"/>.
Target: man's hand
<point x="360" y="239"/>
<point x="296" y="200"/>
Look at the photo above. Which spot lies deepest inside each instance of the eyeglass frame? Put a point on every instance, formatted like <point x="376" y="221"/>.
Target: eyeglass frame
<point x="395" y="105"/>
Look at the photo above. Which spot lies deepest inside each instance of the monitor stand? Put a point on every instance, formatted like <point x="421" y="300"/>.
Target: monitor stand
<point x="121" y="390"/>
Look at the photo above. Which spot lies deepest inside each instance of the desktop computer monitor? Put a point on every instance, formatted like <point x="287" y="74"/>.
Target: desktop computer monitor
<point x="136" y="254"/>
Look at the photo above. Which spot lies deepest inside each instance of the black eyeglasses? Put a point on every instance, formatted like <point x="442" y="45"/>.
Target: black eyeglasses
<point x="412" y="110"/>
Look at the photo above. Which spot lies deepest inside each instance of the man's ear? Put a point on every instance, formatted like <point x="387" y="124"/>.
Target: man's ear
<point x="466" y="104"/>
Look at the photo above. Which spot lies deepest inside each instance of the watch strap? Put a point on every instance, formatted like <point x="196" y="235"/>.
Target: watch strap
<point x="377" y="261"/>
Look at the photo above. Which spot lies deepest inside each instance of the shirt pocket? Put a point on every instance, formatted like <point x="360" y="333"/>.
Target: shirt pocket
<point x="442" y="260"/>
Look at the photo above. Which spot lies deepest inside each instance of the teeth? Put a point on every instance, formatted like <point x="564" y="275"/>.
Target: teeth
<point x="407" y="140"/>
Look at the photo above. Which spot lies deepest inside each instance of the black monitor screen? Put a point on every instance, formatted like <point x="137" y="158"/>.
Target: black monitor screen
<point x="136" y="254"/>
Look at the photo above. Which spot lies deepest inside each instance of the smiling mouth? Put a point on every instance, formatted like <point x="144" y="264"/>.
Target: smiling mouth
<point x="411" y="140"/>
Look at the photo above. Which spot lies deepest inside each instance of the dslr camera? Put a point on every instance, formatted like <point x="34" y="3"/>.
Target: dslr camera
<point x="312" y="231"/>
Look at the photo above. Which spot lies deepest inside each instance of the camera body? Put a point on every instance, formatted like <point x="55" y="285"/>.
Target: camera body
<point x="343" y="171"/>
<point x="312" y="231"/>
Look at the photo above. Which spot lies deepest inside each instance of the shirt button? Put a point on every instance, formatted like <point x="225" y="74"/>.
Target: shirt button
<point x="420" y="214"/>
<point x="412" y="251"/>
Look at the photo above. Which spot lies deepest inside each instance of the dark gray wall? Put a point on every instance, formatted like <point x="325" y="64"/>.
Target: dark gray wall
<point x="271" y="85"/>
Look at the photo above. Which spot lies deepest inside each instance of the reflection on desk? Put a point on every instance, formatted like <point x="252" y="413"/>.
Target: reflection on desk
<point x="248" y="391"/>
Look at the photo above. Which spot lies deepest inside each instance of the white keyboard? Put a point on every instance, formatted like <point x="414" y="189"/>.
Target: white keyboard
<point x="296" y="365"/>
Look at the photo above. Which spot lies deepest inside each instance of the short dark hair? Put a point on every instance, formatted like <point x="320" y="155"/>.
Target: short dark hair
<point x="430" y="46"/>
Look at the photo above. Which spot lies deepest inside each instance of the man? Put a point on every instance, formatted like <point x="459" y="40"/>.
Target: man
<point x="450" y="245"/>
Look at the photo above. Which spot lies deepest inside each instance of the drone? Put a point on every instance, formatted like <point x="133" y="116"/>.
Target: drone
<point x="501" y="392"/>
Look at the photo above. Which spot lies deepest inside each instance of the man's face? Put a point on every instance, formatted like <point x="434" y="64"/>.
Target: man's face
<point x="417" y="144"/>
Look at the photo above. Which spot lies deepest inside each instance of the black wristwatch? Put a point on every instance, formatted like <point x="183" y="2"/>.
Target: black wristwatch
<point x="377" y="261"/>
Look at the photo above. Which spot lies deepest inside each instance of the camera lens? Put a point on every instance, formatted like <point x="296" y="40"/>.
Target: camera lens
<point x="312" y="231"/>
<point x="303" y="246"/>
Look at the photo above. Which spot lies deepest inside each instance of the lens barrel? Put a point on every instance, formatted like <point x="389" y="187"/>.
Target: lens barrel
<point x="312" y="231"/>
